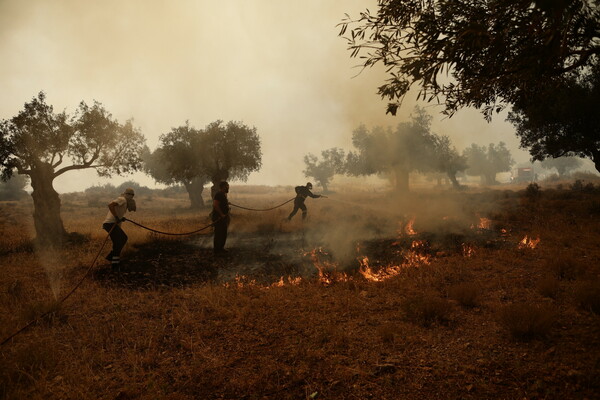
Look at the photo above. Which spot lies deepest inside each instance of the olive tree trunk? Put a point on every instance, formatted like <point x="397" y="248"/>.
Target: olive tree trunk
<point x="195" y="187"/>
<point x="49" y="226"/>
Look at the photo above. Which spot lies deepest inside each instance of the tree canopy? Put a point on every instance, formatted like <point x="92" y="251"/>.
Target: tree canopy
<point x="487" y="162"/>
<point x="176" y="161"/>
<point x="43" y="145"/>
<point x="193" y="157"/>
<point x="410" y="147"/>
<point x="472" y="53"/>
<point x="230" y="151"/>
<point x="323" y="171"/>
<point x="562" y="118"/>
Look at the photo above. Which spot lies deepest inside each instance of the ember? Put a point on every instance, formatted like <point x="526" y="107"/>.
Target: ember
<point x="528" y="243"/>
<point x="408" y="229"/>
<point x="467" y="250"/>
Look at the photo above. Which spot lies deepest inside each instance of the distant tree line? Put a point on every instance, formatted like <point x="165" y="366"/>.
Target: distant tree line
<point x="410" y="147"/>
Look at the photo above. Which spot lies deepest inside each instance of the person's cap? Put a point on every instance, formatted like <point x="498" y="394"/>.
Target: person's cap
<point x="308" y="184"/>
<point x="129" y="191"/>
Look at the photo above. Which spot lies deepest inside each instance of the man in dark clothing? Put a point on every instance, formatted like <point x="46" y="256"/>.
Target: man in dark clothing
<point x="220" y="218"/>
<point x="112" y="224"/>
<point x="302" y="192"/>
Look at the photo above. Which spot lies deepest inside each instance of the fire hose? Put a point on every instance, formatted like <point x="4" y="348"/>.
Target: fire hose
<point x="264" y="209"/>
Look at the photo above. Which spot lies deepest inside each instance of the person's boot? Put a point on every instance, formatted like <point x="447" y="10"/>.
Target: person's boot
<point x="109" y="257"/>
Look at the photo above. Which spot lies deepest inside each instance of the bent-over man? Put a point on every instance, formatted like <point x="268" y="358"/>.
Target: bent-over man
<point x="112" y="224"/>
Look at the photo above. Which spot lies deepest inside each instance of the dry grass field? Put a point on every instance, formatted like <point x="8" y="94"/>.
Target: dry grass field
<point x="478" y="294"/>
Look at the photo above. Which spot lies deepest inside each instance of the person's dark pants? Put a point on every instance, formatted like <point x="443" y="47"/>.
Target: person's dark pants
<point x="220" y="234"/>
<point x="298" y="205"/>
<point x="119" y="238"/>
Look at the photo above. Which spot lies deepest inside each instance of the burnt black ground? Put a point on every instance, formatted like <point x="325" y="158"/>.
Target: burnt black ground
<point x="266" y="257"/>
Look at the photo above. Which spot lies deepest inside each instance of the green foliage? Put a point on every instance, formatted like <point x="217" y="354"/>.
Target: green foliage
<point x="91" y="138"/>
<point x="410" y="147"/>
<point x="487" y="162"/>
<point x="217" y="152"/>
<point x="495" y="53"/>
<point x="192" y="157"/>
<point x="43" y="145"/>
<point x="562" y="119"/>
<point x="332" y="163"/>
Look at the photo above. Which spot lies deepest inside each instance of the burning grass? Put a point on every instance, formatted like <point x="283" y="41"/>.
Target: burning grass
<point x="346" y="305"/>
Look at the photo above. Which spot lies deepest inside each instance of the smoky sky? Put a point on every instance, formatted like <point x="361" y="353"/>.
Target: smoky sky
<point x="279" y="66"/>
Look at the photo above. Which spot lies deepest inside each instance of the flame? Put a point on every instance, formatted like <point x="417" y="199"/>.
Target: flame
<point x="412" y="258"/>
<point x="467" y="250"/>
<point x="528" y="243"/>
<point x="484" y="223"/>
<point x="418" y="244"/>
<point x="408" y="229"/>
<point x="377" y="276"/>
<point x="328" y="273"/>
<point x="290" y="281"/>
<point x="241" y="281"/>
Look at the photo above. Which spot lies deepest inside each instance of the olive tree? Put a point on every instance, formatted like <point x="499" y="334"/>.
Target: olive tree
<point x="176" y="161"/>
<point x="229" y="151"/>
<point x="487" y="162"/>
<point x="323" y="171"/>
<point x="410" y="147"/>
<point x="43" y="145"/>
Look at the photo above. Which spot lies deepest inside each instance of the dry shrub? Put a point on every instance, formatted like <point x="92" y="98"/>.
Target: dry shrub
<point x="548" y="286"/>
<point x="466" y="294"/>
<point x="526" y="321"/>
<point x="426" y="309"/>
<point x="587" y="295"/>
<point x="565" y="267"/>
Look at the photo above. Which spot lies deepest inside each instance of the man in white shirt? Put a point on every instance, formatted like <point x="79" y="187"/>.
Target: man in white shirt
<point x="112" y="224"/>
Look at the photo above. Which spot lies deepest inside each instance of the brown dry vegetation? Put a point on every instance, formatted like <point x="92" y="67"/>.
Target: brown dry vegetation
<point x="467" y="313"/>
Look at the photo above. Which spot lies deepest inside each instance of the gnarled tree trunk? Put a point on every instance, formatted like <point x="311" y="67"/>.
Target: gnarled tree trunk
<point x="49" y="226"/>
<point x="195" y="187"/>
<point x="452" y="177"/>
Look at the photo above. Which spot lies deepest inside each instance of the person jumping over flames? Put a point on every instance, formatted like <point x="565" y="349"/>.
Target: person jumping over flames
<point x="112" y="224"/>
<point x="302" y="192"/>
